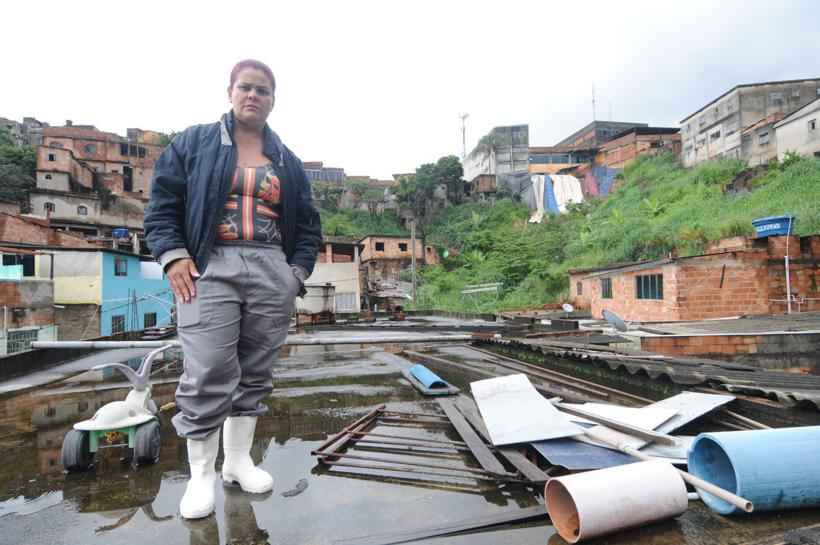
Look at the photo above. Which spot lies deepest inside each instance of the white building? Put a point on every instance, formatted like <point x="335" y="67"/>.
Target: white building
<point x="799" y="131"/>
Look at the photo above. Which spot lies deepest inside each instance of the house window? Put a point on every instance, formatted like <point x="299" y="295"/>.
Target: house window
<point x="649" y="286"/>
<point x="82" y="210"/>
<point x="763" y="138"/>
<point x="812" y="125"/>
<point x="120" y="266"/>
<point x="714" y="136"/>
<point x="141" y="151"/>
<point x="606" y="288"/>
<point x="403" y="246"/>
<point x="149" y="319"/>
<point x="91" y="148"/>
<point x="776" y="98"/>
<point x="118" y="324"/>
<point x="579" y="288"/>
<point x="123" y="149"/>
<point x="380" y="246"/>
<point x="21" y="340"/>
<point x="48" y="207"/>
<point x="48" y="176"/>
<point x="52" y="157"/>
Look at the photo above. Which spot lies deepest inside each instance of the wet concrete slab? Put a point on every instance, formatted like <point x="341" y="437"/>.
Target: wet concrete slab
<point x="318" y="392"/>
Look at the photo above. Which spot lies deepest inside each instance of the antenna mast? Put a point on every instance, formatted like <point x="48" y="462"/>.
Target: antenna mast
<point x="463" y="135"/>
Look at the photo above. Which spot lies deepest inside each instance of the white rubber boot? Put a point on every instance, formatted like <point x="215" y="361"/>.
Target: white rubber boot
<point x="198" y="501"/>
<point x="237" y="438"/>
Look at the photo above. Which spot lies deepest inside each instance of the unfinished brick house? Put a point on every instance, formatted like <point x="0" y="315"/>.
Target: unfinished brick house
<point x="385" y="256"/>
<point x="636" y="142"/>
<point x="737" y="276"/>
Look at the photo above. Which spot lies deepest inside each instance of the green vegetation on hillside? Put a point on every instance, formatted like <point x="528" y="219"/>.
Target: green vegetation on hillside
<point x="658" y="207"/>
<point x="358" y="223"/>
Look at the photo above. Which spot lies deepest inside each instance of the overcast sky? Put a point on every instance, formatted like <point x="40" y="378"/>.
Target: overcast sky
<point x="377" y="87"/>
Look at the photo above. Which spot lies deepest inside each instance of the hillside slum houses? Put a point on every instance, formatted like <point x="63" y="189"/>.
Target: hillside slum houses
<point x="75" y="266"/>
<point x="95" y="184"/>
<point x="755" y="122"/>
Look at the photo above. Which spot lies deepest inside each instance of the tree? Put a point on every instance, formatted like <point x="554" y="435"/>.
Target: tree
<point x="450" y="172"/>
<point x="17" y="168"/>
<point x="416" y="190"/>
<point x="328" y="194"/>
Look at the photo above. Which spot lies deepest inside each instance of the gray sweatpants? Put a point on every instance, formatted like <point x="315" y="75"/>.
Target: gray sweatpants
<point x="230" y="335"/>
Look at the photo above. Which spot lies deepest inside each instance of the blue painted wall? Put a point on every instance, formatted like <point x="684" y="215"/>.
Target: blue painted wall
<point x="115" y="288"/>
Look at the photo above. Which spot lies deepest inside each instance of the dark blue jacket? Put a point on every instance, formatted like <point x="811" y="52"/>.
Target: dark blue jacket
<point x="192" y="178"/>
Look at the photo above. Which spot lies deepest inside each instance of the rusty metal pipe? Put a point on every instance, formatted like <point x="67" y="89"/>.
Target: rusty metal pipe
<point x="400" y="462"/>
<point x="391" y="436"/>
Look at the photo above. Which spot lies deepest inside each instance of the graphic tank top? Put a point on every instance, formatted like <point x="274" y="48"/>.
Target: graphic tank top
<point x="253" y="207"/>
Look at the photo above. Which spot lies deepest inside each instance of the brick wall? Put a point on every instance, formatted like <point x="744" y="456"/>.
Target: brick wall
<point x="397" y="248"/>
<point x="34" y="298"/>
<point x="748" y="280"/>
<point x="579" y="300"/>
<point x="723" y="285"/>
<point x="624" y="301"/>
<point x="770" y="351"/>
<point x="77" y="322"/>
<point x="14" y="229"/>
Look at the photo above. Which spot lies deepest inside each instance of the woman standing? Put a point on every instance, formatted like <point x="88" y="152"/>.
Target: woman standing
<point x="232" y="223"/>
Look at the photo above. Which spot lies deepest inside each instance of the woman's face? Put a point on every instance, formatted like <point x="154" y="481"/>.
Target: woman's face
<point x="252" y="97"/>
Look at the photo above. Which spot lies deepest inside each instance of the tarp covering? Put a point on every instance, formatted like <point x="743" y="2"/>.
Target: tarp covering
<point x="551" y="194"/>
<point x="567" y="189"/>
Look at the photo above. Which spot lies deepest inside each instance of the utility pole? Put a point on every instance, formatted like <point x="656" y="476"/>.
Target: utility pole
<point x="413" y="256"/>
<point x="463" y="135"/>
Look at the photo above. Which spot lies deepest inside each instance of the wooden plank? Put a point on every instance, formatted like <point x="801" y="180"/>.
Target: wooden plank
<point x="531" y="471"/>
<point x="472" y="523"/>
<point x="481" y="452"/>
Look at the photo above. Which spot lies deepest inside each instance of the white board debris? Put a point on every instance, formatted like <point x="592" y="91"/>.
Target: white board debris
<point x="514" y="411"/>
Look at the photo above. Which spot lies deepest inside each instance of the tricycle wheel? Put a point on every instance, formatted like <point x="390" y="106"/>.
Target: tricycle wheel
<point x="147" y="443"/>
<point x="76" y="454"/>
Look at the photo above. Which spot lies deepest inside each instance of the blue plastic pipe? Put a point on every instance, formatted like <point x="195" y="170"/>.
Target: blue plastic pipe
<point x="774" y="469"/>
<point x="428" y="378"/>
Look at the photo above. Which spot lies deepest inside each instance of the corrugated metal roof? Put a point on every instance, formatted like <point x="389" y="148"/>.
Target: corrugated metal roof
<point x="789" y="388"/>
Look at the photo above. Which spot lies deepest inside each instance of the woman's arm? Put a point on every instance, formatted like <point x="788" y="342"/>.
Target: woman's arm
<point x="308" y="235"/>
<point x="165" y="215"/>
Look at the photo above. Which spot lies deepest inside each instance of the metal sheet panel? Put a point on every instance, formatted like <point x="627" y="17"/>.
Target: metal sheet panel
<point x="648" y="418"/>
<point x="514" y="411"/>
<point x="689" y="406"/>
<point x="577" y="456"/>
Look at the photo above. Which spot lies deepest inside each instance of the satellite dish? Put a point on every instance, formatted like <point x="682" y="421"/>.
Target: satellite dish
<point x="567" y="308"/>
<point x="615" y="321"/>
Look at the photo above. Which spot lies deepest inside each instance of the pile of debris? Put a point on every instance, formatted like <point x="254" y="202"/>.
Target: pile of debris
<point x="601" y="467"/>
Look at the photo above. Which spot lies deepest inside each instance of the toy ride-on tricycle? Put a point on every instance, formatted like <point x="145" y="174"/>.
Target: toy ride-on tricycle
<point x="135" y="418"/>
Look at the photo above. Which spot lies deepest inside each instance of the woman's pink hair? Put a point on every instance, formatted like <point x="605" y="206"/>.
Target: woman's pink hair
<point x="256" y="65"/>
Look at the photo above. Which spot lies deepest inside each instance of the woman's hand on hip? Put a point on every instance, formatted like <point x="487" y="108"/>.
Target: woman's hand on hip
<point x="181" y="274"/>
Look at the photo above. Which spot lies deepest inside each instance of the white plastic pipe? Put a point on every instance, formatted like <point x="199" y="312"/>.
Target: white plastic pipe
<point x="596" y="503"/>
